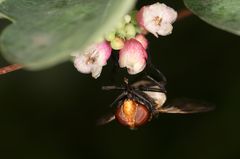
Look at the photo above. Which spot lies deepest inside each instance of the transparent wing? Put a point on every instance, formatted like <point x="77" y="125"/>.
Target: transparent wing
<point x="186" y="106"/>
<point x="106" y="119"/>
<point x="143" y="83"/>
<point x="156" y="96"/>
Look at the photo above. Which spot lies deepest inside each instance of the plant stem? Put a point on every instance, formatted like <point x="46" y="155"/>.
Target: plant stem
<point x="184" y="13"/>
<point x="10" y="68"/>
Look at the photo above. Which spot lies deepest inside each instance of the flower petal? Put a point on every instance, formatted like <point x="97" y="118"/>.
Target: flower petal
<point x="141" y="38"/>
<point x="81" y="65"/>
<point x="104" y="50"/>
<point x="157" y="18"/>
<point x="96" y="71"/>
<point x="165" y="29"/>
<point x="93" y="59"/>
<point x="139" y="16"/>
<point x="133" y="56"/>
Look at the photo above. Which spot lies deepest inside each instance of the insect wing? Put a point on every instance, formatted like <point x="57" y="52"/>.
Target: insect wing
<point x="157" y="97"/>
<point x="106" y="119"/>
<point x="186" y="106"/>
<point x="142" y="83"/>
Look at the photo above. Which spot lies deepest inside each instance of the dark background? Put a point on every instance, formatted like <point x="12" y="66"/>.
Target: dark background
<point x="52" y="113"/>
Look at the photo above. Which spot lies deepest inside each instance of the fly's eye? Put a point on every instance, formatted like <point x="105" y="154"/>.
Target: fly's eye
<point x="141" y="116"/>
<point x="132" y="114"/>
<point x="121" y="118"/>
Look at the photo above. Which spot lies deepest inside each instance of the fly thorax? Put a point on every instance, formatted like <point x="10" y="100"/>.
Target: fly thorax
<point x="158" y="97"/>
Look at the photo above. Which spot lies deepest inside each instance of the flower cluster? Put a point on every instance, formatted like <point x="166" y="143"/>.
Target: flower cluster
<point x="129" y="39"/>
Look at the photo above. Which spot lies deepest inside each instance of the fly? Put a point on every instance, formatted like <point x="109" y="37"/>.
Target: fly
<point x="141" y="101"/>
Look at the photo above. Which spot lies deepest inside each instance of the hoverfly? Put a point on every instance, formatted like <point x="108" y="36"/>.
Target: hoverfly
<point x="141" y="101"/>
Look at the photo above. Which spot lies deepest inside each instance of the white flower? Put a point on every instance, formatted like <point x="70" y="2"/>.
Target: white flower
<point x="93" y="59"/>
<point x="157" y="19"/>
<point x="133" y="56"/>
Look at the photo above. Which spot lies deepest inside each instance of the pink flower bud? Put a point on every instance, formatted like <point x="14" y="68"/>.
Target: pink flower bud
<point x="93" y="59"/>
<point x="157" y="19"/>
<point x="141" y="38"/>
<point x="133" y="56"/>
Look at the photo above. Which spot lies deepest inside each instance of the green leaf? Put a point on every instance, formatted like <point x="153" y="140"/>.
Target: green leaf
<point x="45" y="32"/>
<point x="223" y="14"/>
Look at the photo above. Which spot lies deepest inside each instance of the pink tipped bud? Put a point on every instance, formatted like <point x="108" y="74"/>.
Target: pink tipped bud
<point x="157" y="18"/>
<point x="141" y="38"/>
<point x="93" y="59"/>
<point x="133" y="56"/>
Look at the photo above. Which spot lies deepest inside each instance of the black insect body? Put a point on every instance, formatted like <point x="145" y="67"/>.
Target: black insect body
<point x="144" y="99"/>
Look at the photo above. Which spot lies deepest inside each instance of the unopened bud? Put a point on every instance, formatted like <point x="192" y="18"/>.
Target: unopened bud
<point x="130" y="31"/>
<point x="127" y="18"/>
<point x="110" y="36"/>
<point x="121" y="24"/>
<point x="117" y="43"/>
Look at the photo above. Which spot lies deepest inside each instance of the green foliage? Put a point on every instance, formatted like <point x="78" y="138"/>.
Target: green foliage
<point x="45" y="32"/>
<point x="223" y="14"/>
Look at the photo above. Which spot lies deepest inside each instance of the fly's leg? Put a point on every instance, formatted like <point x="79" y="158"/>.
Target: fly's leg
<point x="146" y="102"/>
<point x="161" y="75"/>
<point x="164" y="79"/>
<point x="116" y="68"/>
<point x="161" y="85"/>
<point x="161" y="90"/>
<point x="108" y="88"/>
<point x="119" y="98"/>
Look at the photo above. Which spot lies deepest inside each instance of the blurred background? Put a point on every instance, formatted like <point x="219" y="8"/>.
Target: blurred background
<point x="51" y="114"/>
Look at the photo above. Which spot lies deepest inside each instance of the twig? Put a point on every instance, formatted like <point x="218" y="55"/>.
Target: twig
<point x="10" y="68"/>
<point x="184" y="13"/>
